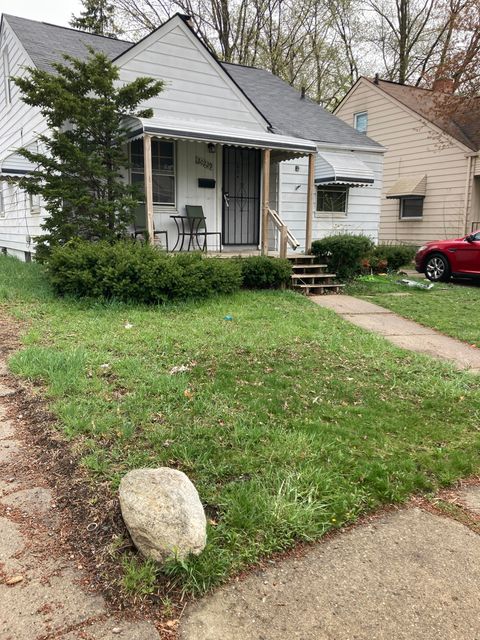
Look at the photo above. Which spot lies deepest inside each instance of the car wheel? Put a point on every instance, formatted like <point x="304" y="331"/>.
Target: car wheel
<point x="437" y="268"/>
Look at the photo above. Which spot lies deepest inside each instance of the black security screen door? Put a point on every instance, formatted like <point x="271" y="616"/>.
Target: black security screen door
<point x="241" y="196"/>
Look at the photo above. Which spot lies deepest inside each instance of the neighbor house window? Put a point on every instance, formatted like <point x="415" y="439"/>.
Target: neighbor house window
<point x="332" y="199"/>
<point x="163" y="169"/>
<point x="411" y="208"/>
<point x="6" y="77"/>
<point x="360" y="122"/>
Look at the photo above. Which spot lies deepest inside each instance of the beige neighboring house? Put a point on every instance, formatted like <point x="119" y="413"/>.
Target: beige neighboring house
<point x="431" y="180"/>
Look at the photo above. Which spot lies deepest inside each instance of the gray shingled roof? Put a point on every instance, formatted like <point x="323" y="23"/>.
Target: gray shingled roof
<point x="45" y="43"/>
<point x="281" y="105"/>
<point x="292" y="115"/>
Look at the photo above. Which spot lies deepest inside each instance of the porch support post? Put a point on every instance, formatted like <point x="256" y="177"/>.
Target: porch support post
<point x="265" y="200"/>
<point x="310" y="193"/>
<point x="147" y="167"/>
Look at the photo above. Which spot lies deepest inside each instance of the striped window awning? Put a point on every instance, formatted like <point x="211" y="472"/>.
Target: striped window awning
<point x="342" y="168"/>
<point x="408" y="187"/>
<point x="15" y="165"/>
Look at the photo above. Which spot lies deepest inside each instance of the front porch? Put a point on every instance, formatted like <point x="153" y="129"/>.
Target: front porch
<point x="229" y="176"/>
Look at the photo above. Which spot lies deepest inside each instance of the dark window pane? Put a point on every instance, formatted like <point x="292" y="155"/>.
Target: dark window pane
<point x="162" y="156"/>
<point x="411" y="207"/>
<point x="137" y="179"/>
<point x="332" y="199"/>
<point x="136" y="154"/>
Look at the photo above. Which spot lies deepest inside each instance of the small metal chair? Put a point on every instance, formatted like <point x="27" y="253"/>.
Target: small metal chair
<point x="140" y="227"/>
<point x="199" y="227"/>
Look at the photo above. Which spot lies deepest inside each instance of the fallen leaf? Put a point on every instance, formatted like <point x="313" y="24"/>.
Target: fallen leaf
<point x="14" y="580"/>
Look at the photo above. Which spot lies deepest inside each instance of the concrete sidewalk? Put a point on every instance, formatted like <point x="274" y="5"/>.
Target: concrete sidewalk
<point x="404" y="333"/>
<point x="409" y="574"/>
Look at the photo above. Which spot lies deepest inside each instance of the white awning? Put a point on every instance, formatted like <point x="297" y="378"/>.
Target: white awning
<point x="342" y="168"/>
<point x="15" y="165"/>
<point x="184" y="130"/>
<point x="409" y="187"/>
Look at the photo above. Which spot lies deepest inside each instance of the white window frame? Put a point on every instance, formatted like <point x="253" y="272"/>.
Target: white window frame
<point x="406" y="218"/>
<point x="6" y="77"/>
<point x="138" y="171"/>
<point x="331" y="187"/>
<point x="356" y="117"/>
<point x="34" y="203"/>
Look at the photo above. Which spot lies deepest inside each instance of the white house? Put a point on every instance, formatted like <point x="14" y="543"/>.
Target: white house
<point x="237" y="141"/>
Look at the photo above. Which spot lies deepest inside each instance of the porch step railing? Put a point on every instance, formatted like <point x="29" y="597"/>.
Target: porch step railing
<point x="286" y="237"/>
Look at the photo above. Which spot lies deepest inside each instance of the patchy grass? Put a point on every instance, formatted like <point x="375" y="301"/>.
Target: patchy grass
<point x="453" y="309"/>
<point x="290" y="421"/>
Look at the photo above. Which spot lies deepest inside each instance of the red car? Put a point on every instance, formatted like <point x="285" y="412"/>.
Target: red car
<point x="442" y="259"/>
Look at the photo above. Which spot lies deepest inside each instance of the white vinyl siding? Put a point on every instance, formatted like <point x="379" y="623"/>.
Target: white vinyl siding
<point x="363" y="205"/>
<point x="196" y="88"/>
<point x="6" y="77"/>
<point x="413" y="148"/>
<point x="19" y="125"/>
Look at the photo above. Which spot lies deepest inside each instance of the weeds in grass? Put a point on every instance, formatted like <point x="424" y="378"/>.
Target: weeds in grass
<point x="290" y="422"/>
<point x="139" y="575"/>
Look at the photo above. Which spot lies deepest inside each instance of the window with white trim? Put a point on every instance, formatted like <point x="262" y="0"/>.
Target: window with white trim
<point x="332" y="199"/>
<point x="360" y="121"/>
<point x="163" y="170"/>
<point x="34" y="203"/>
<point x="411" y="208"/>
<point x="7" y="83"/>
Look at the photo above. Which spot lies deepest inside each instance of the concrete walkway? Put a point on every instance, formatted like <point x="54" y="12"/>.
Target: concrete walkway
<point x="43" y="594"/>
<point x="404" y="333"/>
<point x="409" y="574"/>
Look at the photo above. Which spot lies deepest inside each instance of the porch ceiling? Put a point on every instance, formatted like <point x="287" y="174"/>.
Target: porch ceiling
<point x="200" y="132"/>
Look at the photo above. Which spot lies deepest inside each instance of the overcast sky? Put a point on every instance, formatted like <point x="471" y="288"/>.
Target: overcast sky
<point x="54" y="11"/>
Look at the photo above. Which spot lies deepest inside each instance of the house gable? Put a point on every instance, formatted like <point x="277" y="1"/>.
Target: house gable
<point x="197" y="88"/>
<point x="365" y="92"/>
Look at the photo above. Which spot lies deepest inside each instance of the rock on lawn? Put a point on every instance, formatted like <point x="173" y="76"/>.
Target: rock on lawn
<point x="163" y="513"/>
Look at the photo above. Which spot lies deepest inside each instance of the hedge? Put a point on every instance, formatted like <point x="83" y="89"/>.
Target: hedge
<point x="138" y="272"/>
<point x="350" y="255"/>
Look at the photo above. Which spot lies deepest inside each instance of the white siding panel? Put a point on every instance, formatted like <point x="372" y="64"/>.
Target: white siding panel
<point x="19" y="125"/>
<point x="196" y="87"/>
<point x="363" y="211"/>
<point x="188" y="172"/>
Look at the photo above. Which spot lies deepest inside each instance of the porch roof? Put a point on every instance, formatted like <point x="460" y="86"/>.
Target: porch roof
<point x="182" y="130"/>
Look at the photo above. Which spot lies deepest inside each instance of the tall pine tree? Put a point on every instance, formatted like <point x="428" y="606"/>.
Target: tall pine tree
<point x="81" y="162"/>
<point x="97" y="17"/>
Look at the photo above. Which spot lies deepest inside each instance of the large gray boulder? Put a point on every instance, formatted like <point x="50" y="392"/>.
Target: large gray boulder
<point x="163" y="513"/>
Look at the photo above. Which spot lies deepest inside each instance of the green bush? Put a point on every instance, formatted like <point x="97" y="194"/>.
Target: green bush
<point x="133" y="271"/>
<point x="343" y="253"/>
<point x="261" y="272"/>
<point x="396" y="255"/>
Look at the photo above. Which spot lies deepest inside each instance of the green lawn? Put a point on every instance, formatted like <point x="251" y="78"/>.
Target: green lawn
<point x="453" y="309"/>
<point x="289" y="421"/>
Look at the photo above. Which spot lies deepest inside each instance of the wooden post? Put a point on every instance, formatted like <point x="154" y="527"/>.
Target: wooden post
<point x="283" y="241"/>
<point x="265" y="200"/>
<point x="310" y="194"/>
<point x="147" y="160"/>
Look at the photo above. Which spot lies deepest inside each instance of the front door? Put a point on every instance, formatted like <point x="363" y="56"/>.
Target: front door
<point x="241" y="196"/>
